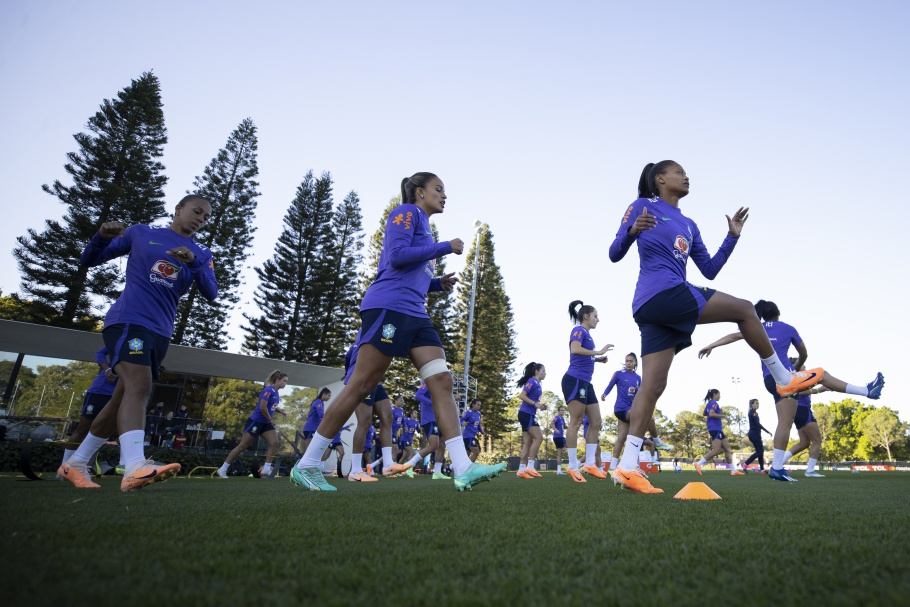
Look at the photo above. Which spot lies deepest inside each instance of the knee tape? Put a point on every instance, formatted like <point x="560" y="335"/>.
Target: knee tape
<point x="434" y="367"/>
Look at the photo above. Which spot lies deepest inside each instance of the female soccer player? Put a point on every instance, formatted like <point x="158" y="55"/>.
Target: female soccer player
<point x="719" y="442"/>
<point x="163" y="264"/>
<point x="431" y="432"/>
<point x="558" y="423"/>
<point x="810" y="435"/>
<point x="531" y="437"/>
<point x="667" y="308"/>
<point x="578" y="391"/>
<point x="783" y="336"/>
<point x="408" y="427"/>
<point x="395" y="323"/>
<point x="96" y="397"/>
<point x="472" y="424"/>
<point x="260" y="424"/>
<point x="754" y="435"/>
<point x="338" y="447"/>
<point x="313" y="418"/>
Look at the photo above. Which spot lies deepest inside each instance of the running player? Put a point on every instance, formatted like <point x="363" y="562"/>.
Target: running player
<point x="97" y="395"/>
<point x="408" y="427"/>
<point x="472" y="424"/>
<point x="313" y="418"/>
<point x="719" y="442"/>
<point x="667" y="308"/>
<point x="163" y="264"/>
<point x="754" y="435"/>
<point x="260" y="424"/>
<point x="531" y="437"/>
<point x="558" y="423"/>
<point x="783" y="336"/>
<point x="810" y="435"/>
<point x="431" y="432"/>
<point x="578" y="391"/>
<point x="395" y="323"/>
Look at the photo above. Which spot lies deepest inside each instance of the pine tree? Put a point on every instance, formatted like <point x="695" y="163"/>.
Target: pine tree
<point x="229" y="183"/>
<point x="493" y="335"/>
<point x="338" y="281"/>
<point x="289" y="294"/>
<point x="116" y="177"/>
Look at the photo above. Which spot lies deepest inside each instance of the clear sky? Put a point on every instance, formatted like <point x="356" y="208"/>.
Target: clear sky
<point x="539" y="117"/>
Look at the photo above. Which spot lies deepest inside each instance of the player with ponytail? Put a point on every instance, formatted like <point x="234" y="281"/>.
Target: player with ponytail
<point x="531" y="437"/>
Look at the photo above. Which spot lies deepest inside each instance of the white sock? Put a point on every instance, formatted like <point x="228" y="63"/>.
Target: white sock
<point x="531" y="463"/>
<point x="810" y="467"/>
<point x="573" y="458"/>
<point x="224" y="467"/>
<point x="132" y="444"/>
<point x="67" y="454"/>
<point x="857" y="390"/>
<point x="590" y="454"/>
<point x="88" y="448"/>
<point x="778" y="370"/>
<point x="702" y="462"/>
<point x="787" y="456"/>
<point x="614" y="462"/>
<point x="120" y="463"/>
<point x="437" y="468"/>
<point x="629" y="459"/>
<point x="356" y="459"/>
<point x="386" y="457"/>
<point x="459" y="455"/>
<point x="415" y="460"/>
<point x="521" y="467"/>
<point x="777" y="462"/>
<point x="375" y="465"/>
<point x="266" y="468"/>
<point x="313" y="456"/>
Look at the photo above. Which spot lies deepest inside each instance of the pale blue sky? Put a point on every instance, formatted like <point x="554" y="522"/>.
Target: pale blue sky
<point x="539" y="118"/>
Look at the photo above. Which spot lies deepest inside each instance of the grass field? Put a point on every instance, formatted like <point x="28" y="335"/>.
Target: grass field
<point x="841" y="540"/>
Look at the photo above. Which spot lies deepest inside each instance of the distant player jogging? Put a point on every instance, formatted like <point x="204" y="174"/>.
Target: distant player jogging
<point x="783" y="336"/>
<point x="578" y="391"/>
<point x="260" y="424"/>
<point x="395" y="323"/>
<point x="719" y="442"/>
<point x="313" y="418"/>
<point x="754" y="436"/>
<point x="558" y="424"/>
<point x="472" y="424"/>
<point x="163" y="264"/>
<point x="96" y="397"/>
<point x="531" y="436"/>
<point x="667" y="308"/>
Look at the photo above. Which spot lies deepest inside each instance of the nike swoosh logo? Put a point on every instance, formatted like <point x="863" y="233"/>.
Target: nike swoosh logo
<point x="665" y="218"/>
<point x="153" y="242"/>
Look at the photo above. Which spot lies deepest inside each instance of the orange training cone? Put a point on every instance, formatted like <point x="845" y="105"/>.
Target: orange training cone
<point x="696" y="491"/>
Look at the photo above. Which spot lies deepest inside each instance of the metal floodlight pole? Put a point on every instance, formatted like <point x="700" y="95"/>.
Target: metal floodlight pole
<point x="467" y="350"/>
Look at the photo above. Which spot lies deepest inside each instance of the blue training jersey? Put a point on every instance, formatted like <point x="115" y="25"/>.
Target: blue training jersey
<point x="270" y="395"/>
<point x="408" y="428"/>
<point x="715" y="424"/>
<point x="155" y="281"/>
<point x="370" y="437"/>
<point x="664" y="250"/>
<point x="580" y="366"/>
<point x="534" y="391"/>
<point x="317" y="410"/>
<point x="559" y="427"/>
<point x="407" y="264"/>
<point x="426" y="405"/>
<point x="474" y="426"/>
<point x="397" y="419"/>
<point x="782" y="336"/>
<point x="627" y="383"/>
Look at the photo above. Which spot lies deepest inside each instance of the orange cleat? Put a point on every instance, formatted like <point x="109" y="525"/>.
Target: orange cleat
<point x="576" y="476"/>
<point x="523" y="474"/>
<point x="533" y="472"/>
<point x="396" y="469"/>
<point x="634" y="480"/>
<point x="737" y="473"/>
<point x="698" y="468"/>
<point x="800" y="381"/>
<point x="362" y="477"/>
<point x="594" y="471"/>
<point x="78" y="475"/>
<point x="147" y="473"/>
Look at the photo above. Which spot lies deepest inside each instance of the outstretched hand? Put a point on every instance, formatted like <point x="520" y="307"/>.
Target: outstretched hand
<point x="447" y="282"/>
<point x="705" y="352"/>
<point x="735" y="225"/>
<point x="645" y="221"/>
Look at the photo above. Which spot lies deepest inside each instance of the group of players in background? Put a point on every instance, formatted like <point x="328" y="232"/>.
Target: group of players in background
<point x="165" y="262"/>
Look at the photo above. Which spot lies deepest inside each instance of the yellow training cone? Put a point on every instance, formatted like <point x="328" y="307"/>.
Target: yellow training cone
<point x="696" y="491"/>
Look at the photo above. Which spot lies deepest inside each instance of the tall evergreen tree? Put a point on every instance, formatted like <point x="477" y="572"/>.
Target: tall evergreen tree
<point x="229" y="182"/>
<point x="493" y="334"/>
<point x="338" y="284"/>
<point x="289" y="294"/>
<point x="116" y="177"/>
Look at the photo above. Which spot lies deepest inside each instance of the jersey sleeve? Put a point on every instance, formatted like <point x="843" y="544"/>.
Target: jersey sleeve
<point x="710" y="266"/>
<point x="400" y="228"/>
<point x="203" y="270"/>
<point x="623" y="241"/>
<point x="612" y="383"/>
<point x="101" y="250"/>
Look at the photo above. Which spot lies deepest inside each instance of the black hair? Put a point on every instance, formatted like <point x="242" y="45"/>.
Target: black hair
<point x="578" y="315"/>
<point x="752" y="400"/>
<point x="474" y="401"/>
<point x="410" y="184"/>
<point x="183" y="201"/>
<point x="633" y="355"/>
<point x="530" y="370"/>
<point x="646" y="186"/>
<point x="323" y="392"/>
<point x="767" y="310"/>
<point x="711" y="393"/>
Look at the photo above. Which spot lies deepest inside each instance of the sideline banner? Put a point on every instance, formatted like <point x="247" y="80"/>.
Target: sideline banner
<point x="873" y="468"/>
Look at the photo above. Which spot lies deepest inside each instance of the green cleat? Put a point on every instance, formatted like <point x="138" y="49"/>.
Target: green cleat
<point x="311" y="479"/>
<point x="439" y="476"/>
<point x="409" y="472"/>
<point x="477" y="473"/>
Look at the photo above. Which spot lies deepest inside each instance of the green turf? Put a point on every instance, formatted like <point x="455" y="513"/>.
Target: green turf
<point x="841" y="540"/>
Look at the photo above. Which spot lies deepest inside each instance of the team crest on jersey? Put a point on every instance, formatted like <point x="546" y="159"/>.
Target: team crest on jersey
<point x="166" y="269"/>
<point x="682" y="247"/>
<point x="388" y="333"/>
<point x="135" y="345"/>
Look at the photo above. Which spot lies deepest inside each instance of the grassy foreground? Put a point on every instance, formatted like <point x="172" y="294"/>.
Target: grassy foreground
<point x="841" y="540"/>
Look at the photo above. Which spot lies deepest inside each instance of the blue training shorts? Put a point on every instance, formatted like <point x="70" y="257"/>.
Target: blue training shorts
<point x="394" y="333"/>
<point x="93" y="404"/>
<point x="134" y="344"/>
<point x="578" y="389"/>
<point x="803" y="416"/>
<point x="668" y="319"/>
